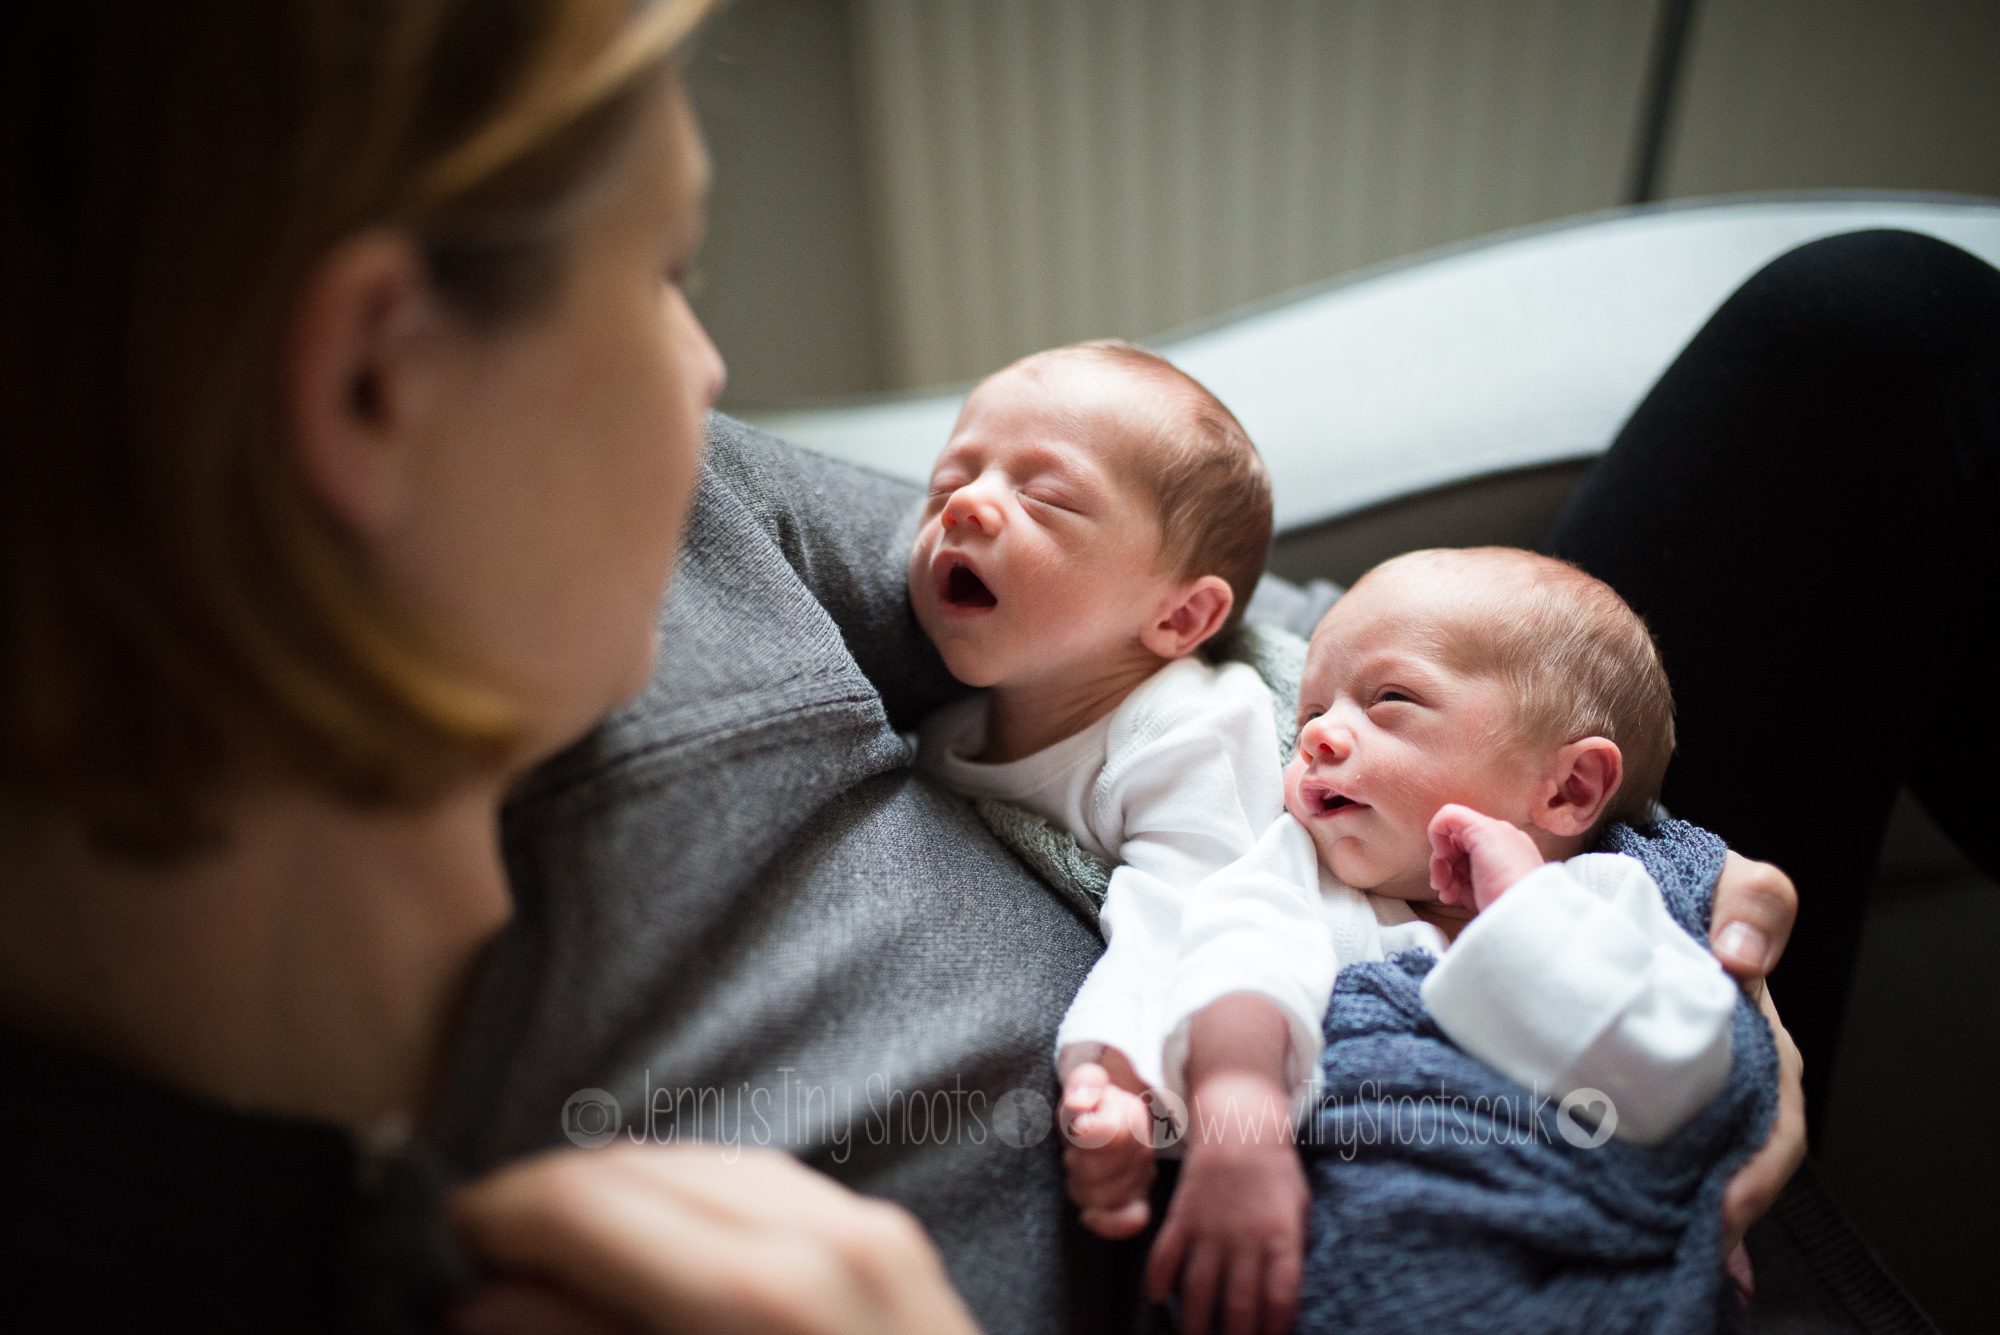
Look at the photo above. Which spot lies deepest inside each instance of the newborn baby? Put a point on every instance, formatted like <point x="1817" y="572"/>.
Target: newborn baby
<point x="1536" y="1077"/>
<point x="1095" y="519"/>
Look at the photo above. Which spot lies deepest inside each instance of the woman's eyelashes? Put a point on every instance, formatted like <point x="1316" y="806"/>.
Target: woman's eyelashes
<point x="683" y="276"/>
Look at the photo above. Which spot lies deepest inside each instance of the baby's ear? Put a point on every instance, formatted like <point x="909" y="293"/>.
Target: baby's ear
<point x="1195" y="613"/>
<point x="1586" y="776"/>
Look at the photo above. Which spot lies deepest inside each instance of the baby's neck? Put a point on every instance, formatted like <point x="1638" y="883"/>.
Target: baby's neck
<point x="1027" y="717"/>
<point x="1447" y="918"/>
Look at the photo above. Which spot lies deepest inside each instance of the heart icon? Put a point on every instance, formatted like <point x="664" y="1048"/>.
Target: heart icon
<point x="1586" y="1118"/>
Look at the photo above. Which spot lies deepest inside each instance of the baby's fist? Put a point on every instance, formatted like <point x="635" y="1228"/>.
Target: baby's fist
<point x="1109" y="1159"/>
<point x="1475" y="858"/>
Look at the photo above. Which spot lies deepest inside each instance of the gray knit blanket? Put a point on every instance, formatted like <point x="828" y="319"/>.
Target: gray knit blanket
<point x="1079" y="875"/>
<point x="1447" y="1198"/>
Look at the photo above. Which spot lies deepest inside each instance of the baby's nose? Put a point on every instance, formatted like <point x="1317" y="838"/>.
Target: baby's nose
<point x="1321" y="741"/>
<point x="974" y="510"/>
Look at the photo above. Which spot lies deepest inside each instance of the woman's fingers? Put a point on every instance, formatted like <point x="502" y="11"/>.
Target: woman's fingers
<point x="1755" y="906"/>
<point x="515" y="1307"/>
<point x="1756" y="1185"/>
<point x="1741" y="1274"/>
<point x="708" y="1239"/>
<point x="565" y="1220"/>
<point x="752" y="1187"/>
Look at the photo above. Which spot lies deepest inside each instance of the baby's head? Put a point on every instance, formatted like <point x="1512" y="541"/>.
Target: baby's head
<point x="1513" y="683"/>
<point x="1095" y="508"/>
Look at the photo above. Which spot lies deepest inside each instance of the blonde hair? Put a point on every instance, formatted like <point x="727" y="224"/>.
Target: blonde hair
<point x="1210" y="487"/>
<point x="1578" y="658"/>
<point x="174" y="603"/>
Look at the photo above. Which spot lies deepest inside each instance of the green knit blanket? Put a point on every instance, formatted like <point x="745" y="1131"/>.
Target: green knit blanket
<point x="1073" y="871"/>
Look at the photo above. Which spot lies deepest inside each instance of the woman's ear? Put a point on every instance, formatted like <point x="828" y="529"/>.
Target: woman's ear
<point x="1195" y="613"/>
<point x="358" y="378"/>
<point x="1585" y="776"/>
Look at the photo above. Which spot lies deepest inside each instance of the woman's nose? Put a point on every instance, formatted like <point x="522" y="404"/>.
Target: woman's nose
<point x="701" y="360"/>
<point x="973" y="508"/>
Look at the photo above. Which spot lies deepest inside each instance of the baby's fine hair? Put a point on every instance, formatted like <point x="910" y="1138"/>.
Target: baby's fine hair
<point x="1211" y="489"/>
<point x="1579" y="659"/>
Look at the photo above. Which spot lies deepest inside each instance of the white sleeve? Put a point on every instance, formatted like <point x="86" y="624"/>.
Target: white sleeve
<point x="1256" y="927"/>
<point x="1578" y="978"/>
<point x="1191" y="793"/>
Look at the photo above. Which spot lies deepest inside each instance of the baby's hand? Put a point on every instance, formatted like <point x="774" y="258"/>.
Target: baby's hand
<point x="1109" y="1160"/>
<point x="1234" y="1237"/>
<point x="1476" y="858"/>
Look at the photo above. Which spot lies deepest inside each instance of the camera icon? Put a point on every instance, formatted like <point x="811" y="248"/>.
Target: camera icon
<point x="590" y="1118"/>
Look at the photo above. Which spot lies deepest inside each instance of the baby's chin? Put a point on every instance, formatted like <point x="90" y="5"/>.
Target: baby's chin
<point x="1359" y="871"/>
<point x="967" y="665"/>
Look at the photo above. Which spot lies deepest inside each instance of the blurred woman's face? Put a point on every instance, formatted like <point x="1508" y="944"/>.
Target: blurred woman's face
<point x="553" y="503"/>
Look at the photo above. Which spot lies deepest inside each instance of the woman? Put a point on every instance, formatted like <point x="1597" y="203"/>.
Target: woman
<point x="366" y="406"/>
<point x="364" y="425"/>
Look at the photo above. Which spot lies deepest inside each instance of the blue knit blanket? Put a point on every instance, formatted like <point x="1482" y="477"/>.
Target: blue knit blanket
<point x="1445" y="1197"/>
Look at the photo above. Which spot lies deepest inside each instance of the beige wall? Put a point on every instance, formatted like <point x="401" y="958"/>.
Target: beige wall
<point x="1886" y="94"/>
<point x="786" y="285"/>
<point x="914" y="191"/>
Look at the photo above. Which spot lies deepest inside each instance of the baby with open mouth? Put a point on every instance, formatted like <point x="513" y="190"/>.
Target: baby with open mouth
<point x="1096" y="518"/>
<point x="1469" y="723"/>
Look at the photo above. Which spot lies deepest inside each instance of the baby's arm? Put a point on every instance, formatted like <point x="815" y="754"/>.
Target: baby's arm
<point x="1192" y="793"/>
<point x="1578" y="978"/>
<point x="1257" y="928"/>
<point x="1256" y="972"/>
<point x="1234" y="1236"/>
<point x="1107" y="1032"/>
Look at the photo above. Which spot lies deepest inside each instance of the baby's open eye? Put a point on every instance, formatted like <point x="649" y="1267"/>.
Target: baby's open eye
<point x="1390" y="695"/>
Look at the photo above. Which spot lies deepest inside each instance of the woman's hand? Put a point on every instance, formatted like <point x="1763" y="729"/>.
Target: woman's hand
<point x="1755" y="905"/>
<point x="695" y="1237"/>
<point x="1756" y="1185"/>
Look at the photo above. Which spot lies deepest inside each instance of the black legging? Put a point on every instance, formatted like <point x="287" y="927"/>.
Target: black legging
<point x="1806" y="510"/>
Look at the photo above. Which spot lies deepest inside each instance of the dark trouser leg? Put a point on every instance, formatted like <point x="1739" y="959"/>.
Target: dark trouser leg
<point x="1806" y="511"/>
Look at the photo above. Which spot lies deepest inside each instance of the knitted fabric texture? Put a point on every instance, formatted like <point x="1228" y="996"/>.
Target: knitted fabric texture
<point x="1073" y="871"/>
<point x="1445" y="1197"/>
